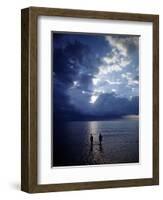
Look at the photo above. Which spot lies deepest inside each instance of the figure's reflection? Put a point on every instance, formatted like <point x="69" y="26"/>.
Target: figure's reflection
<point x="100" y="138"/>
<point x="100" y="142"/>
<point x="100" y="147"/>
<point x="91" y="148"/>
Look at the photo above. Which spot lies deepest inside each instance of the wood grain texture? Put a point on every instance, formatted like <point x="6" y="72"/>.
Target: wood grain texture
<point x="91" y="14"/>
<point x="29" y="101"/>
<point x="29" y="172"/>
<point x="156" y="99"/>
<point x="24" y="100"/>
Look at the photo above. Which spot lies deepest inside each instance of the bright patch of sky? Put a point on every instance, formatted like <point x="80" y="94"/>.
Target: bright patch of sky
<point x="118" y="72"/>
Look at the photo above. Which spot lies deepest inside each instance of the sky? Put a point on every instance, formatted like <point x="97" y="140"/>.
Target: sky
<point x="95" y="76"/>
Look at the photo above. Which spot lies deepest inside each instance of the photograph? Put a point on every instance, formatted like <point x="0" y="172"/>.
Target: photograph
<point x="95" y="101"/>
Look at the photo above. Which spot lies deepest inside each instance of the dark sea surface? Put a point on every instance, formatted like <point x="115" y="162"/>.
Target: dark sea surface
<point x="72" y="146"/>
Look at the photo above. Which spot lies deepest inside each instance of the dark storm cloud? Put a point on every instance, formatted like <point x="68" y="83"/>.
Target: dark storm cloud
<point x="85" y="81"/>
<point x="75" y="62"/>
<point x="74" y="66"/>
<point x="111" y="105"/>
<point x="63" y="109"/>
<point x="136" y="77"/>
<point x="86" y="71"/>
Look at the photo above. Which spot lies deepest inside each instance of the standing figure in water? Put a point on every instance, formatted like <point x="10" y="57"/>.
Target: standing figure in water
<point x="91" y="139"/>
<point x="100" y="138"/>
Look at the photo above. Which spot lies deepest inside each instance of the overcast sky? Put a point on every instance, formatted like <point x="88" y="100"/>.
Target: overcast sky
<point x="95" y="75"/>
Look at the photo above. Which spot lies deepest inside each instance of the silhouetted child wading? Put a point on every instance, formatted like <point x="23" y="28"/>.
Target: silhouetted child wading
<point x="91" y="139"/>
<point x="100" y="138"/>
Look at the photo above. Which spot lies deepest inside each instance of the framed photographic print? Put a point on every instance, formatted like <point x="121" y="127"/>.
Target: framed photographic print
<point x="90" y="99"/>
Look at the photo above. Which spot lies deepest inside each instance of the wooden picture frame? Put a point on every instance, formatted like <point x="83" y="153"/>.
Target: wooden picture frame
<point x="29" y="97"/>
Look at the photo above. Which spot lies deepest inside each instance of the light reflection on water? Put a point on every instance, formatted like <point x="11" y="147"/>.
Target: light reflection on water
<point x="120" y="143"/>
<point x="93" y="129"/>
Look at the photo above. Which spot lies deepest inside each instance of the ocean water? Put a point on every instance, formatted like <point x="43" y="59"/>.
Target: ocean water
<point x="72" y="146"/>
